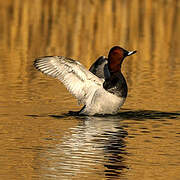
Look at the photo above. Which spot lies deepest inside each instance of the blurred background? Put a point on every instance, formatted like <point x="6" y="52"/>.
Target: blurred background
<point x="84" y="30"/>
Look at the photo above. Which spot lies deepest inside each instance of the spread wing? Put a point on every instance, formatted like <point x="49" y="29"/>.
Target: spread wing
<point x="78" y="80"/>
<point x="100" y="68"/>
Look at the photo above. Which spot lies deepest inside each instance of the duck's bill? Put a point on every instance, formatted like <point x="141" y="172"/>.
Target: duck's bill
<point x="131" y="52"/>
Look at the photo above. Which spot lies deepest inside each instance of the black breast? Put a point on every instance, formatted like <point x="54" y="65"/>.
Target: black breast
<point x="116" y="84"/>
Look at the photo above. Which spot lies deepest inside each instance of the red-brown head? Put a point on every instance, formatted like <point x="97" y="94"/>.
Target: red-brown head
<point x="116" y="57"/>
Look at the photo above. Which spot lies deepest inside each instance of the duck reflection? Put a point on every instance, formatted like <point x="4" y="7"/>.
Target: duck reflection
<point x="96" y="145"/>
<point x="95" y="148"/>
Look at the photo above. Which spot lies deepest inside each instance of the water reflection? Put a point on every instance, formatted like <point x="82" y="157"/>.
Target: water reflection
<point x="96" y="143"/>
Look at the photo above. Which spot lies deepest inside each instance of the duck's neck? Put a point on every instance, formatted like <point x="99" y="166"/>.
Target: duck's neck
<point x="115" y="60"/>
<point x="114" y="67"/>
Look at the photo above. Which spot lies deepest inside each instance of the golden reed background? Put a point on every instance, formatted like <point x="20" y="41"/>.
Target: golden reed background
<point x="88" y="28"/>
<point x="84" y="30"/>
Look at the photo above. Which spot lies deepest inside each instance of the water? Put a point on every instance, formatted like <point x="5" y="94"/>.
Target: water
<point x="39" y="140"/>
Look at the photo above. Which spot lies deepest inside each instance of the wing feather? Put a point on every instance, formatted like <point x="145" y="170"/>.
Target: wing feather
<point x="77" y="79"/>
<point x="100" y="68"/>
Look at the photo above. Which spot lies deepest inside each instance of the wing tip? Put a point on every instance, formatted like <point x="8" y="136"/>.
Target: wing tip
<point x="40" y="60"/>
<point x="43" y="64"/>
<point x="36" y="62"/>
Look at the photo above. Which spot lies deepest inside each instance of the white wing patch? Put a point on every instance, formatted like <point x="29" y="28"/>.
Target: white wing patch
<point x="78" y="80"/>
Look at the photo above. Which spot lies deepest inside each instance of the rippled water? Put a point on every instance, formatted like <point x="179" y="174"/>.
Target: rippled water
<point x="40" y="140"/>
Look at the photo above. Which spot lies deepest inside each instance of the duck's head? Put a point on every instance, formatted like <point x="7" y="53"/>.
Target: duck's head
<point x="116" y="57"/>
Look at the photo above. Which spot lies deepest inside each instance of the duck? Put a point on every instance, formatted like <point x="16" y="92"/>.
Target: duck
<point x="102" y="89"/>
